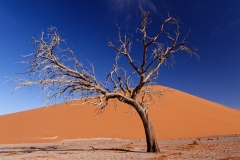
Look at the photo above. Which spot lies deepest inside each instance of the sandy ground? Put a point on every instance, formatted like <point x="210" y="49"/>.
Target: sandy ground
<point x="201" y="148"/>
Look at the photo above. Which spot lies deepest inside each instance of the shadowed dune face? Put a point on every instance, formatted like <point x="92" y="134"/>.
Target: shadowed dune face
<point x="179" y="115"/>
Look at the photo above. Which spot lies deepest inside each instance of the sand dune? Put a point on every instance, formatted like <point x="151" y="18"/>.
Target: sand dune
<point x="180" y="115"/>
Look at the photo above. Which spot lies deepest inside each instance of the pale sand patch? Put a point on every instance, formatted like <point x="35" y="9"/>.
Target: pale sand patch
<point x="55" y="137"/>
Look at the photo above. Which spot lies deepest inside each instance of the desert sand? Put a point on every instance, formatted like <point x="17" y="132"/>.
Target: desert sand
<point x="177" y="115"/>
<point x="201" y="148"/>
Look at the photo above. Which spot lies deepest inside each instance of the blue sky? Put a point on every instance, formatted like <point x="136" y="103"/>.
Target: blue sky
<point x="86" y="25"/>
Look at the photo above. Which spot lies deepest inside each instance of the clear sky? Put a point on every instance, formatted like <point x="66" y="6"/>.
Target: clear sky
<point x="86" y="25"/>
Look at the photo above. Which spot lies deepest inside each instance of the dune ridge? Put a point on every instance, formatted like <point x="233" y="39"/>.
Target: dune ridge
<point x="179" y="115"/>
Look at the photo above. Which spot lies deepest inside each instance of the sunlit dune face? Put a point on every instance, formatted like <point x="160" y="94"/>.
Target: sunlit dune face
<point x="176" y="115"/>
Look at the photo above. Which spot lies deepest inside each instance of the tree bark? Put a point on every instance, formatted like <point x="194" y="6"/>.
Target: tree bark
<point x="152" y="145"/>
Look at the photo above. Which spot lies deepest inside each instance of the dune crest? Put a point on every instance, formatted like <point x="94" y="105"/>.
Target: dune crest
<point x="179" y="115"/>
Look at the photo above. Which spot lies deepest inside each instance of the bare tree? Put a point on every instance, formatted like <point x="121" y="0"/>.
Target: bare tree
<point x="48" y="67"/>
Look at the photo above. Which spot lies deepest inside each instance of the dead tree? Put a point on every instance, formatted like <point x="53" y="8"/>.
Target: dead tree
<point x="48" y="67"/>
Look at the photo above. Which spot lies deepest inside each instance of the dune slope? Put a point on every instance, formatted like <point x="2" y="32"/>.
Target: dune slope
<point x="179" y="115"/>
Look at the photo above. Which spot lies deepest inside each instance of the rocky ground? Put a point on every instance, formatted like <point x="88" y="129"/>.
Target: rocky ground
<point x="213" y="147"/>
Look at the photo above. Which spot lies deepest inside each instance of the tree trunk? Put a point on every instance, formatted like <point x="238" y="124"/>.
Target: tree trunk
<point x="152" y="145"/>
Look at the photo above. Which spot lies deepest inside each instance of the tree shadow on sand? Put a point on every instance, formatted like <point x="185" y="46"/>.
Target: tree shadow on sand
<point x="16" y="150"/>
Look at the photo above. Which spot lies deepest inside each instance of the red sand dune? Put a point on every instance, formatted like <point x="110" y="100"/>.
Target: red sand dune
<point x="180" y="115"/>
